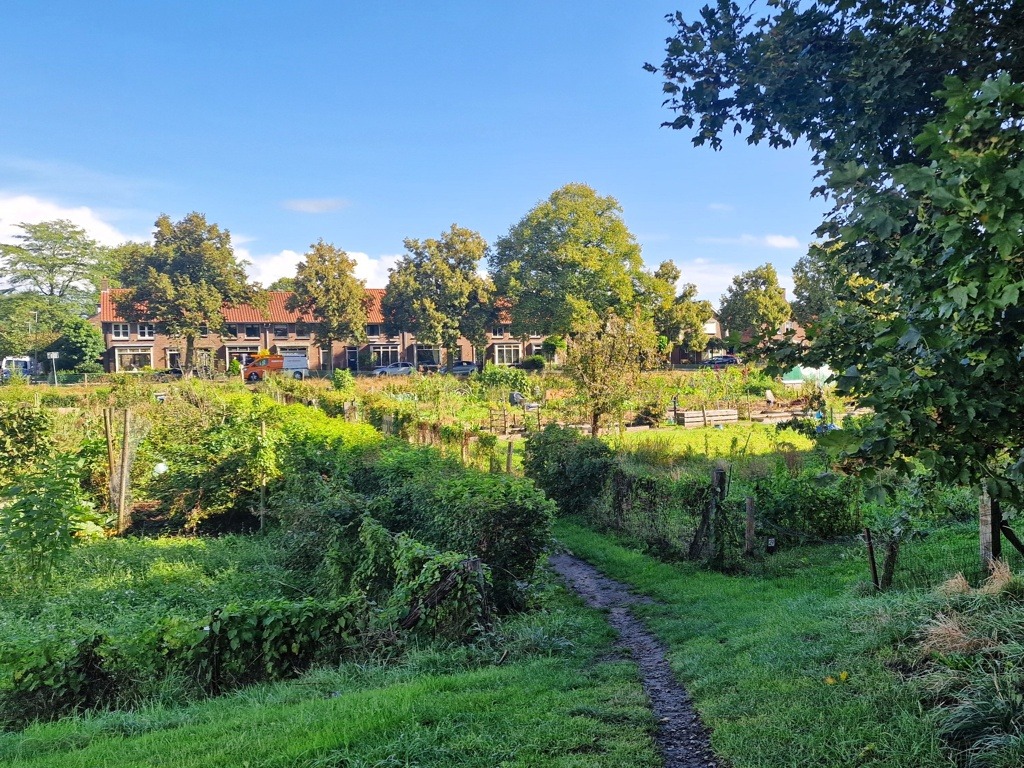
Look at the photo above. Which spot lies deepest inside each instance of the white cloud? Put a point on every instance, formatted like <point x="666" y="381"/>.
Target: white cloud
<point x="315" y="204"/>
<point x="784" y="242"/>
<point x="266" y="268"/>
<point x="18" y="209"/>
<point x="374" y="270"/>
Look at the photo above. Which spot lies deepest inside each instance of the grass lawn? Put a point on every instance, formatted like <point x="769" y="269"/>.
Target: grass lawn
<point x="554" y="701"/>
<point x="756" y="653"/>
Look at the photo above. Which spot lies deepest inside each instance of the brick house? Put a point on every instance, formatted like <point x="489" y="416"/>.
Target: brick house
<point x="134" y="346"/>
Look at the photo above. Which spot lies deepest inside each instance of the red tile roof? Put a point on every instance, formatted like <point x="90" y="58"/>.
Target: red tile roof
<point x="276" y="311"/>
<point x="374" y="314"/>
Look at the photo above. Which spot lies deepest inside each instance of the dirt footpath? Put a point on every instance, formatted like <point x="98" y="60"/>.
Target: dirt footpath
<point x="682" y="738"/>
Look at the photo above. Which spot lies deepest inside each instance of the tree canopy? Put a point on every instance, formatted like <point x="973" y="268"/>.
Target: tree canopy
<point x="914" y="113"/>
<point x="679" y="318"/>
<point x="184" y="279"/>
<point x="57" y="259"/>
<point x="326" y="287"/>
<point x="605" y="359"/>
<point x="817" y="285"/>
<point x="435" y="291"/>
<point x="755" y="304"/>
<point x="568" y="262"/>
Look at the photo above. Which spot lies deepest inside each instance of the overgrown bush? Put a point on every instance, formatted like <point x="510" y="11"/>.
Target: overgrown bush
<point x="42" y="514"/>
<point x="533" y="363"/>
<point x="809" y="505"/>
<point x="570" y="468"/>
<point x="24" y="436"/>
<point x="505" y="521"/>
<point x="505" y="377"/>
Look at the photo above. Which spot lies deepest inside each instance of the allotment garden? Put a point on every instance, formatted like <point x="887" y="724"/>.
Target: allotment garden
<point x="352" y="573"/>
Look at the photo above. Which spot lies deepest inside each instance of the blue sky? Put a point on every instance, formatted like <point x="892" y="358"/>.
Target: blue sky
<point x="368" y="122"/>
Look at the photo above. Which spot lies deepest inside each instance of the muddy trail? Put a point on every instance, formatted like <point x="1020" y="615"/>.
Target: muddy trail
<point x="681" y="737"/>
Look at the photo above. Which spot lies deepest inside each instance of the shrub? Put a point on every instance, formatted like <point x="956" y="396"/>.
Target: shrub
<point x="504" y="377"/>
<point x="342" y="380"/>
<point x="25" y="434"/>
<point x="811" y="505"/>
<point x="533" y="363"/>
<point x="42" y="513"/>
<point x="569" y="467"/>
<point x="235" y="367"/>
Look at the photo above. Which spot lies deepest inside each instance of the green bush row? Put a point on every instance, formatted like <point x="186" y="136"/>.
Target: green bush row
<point x="235" y="645"/>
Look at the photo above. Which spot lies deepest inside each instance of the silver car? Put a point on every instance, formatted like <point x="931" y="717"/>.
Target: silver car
<point x="395" y="369"/>
<point x="460" y="368"/>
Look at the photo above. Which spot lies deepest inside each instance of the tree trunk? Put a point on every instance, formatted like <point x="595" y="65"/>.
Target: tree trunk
<point x="190" y="354"/>
<point x="595" y="423"/>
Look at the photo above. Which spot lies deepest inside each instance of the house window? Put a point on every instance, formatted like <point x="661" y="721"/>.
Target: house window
<point x="133" y="359"/>
<point x="535" y="335"/>
<point x="302" y="330"/>
<point x="252" y="331"/>
<point x="280" y="331"/>
<point x="428" y="357"/>
<point x="385" y="354"/>
<point x="204" y="331"/>
<point x="147" y="330"/>
<point x="120" y="331"/>
<point x="373" y="331"/>
<point x="498" y="331"/>
<point x="506" y="354"/>
<point x="174" y="358"/>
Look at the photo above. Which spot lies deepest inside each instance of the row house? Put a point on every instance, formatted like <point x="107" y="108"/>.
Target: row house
<point x="135" y="346"/>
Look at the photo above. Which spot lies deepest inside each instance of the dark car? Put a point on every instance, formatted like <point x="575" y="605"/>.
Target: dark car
<point x="460" y="368"/>
<point x="720" y="361"/>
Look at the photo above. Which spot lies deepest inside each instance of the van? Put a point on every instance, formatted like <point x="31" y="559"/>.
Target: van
<point x="296" y="366"/>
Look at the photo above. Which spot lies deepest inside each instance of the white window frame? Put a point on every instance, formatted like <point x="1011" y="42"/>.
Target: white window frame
<point x="120" y="331"/>
<point x="498" y="332"/>
<point x="134" y="352"/>
<point x="386" y="353"/>
<point x="147" y="331"/>
<point x="507" y="354"/>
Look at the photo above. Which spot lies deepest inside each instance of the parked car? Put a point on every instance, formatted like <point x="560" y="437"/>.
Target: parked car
<point x="719" y="361"/>
<point x="395" y="369"/>
<point x="460" y="368"/>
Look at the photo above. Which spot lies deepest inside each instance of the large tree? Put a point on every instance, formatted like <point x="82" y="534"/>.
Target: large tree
<point x="436" y="292"/>
<point x="755" y="305"/>
<point x="568" y="262"/>
<point x="184" y="280"/>
<point x="679" y="317"/>
<point x="817" y="285"/>
<point x="326" y="287"/>
<point x="913" y="112"/>
<point x="30" y="323"/>
<point x="56" y="259"/>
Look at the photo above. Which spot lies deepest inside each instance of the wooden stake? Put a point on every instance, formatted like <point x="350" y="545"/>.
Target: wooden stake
<point x="263" y="476"/>
<point x="108" y="429"/>
<point x="985" y="529"/>
<point x="871" y="558"/>
<point x="122" y="495"/>
<point x="508" y="459"/>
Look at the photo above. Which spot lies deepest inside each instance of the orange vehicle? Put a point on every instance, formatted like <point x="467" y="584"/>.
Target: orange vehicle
<point x="296" y="366"/>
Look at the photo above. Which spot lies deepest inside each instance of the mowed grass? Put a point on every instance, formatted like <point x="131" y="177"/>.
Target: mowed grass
<point x="756" y="653"/>
<point x="558" y="697"/>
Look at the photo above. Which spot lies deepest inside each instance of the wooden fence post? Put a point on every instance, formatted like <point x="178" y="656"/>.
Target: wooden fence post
<point x="508" y="459"/>
<point x="748" y="533"/>
<point x="985" y="529"/>
<point x="871" y="558"/>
